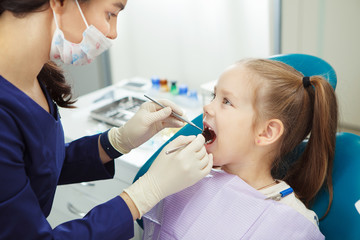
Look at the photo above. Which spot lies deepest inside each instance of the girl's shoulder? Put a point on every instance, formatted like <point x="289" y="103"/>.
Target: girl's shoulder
<point x="291" y="200"/>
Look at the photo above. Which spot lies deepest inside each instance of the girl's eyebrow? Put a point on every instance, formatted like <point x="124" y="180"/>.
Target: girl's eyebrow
<point x="227" y="92"/>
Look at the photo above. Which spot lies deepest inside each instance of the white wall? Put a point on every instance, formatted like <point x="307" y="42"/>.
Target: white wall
<point x="329" y="29"/>
<point x="190" y="41"/>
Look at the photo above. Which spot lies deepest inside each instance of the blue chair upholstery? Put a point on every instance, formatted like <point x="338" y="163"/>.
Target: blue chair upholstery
<point x="308" y="65"/>
<point x="343" y="221"/>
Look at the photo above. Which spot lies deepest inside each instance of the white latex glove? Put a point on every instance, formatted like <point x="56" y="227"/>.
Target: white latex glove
<point x="149" y="120"/>
<point x="171" y="173"/>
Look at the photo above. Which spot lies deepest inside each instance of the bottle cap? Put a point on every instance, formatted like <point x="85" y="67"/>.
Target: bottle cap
<point x="163" y="81"/>
<point x="173" y="88"/>
<point x="183" y="89"/>
<point x="155" y="80"/>
<point x="193" y="94"/>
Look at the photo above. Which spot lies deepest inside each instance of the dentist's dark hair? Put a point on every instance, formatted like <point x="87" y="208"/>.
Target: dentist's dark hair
<point x="304" y="111"/>
<point x="50" y="75"/>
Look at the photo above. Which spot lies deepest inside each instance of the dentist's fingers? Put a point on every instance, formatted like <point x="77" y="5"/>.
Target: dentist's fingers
<point x="201" y="153"/>
<point x="172" y="105"/>
<point x="196" y="144"/>
<point x="206" y="170"/>
<point x="179" y="141"/>
<point x="173" y="122"/>
<point x="159" y="115"/>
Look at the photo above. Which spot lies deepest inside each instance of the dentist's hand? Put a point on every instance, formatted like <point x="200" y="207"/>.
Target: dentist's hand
<point x="149" y="120"/>
<point x="171" y="173"/>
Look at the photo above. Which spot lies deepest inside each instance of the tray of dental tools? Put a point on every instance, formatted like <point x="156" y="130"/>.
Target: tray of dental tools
<point x="118" y="112"/>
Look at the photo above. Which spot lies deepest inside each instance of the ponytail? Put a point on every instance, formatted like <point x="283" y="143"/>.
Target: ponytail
<point x="314" y="168"/>
<point x="53" y="79"/>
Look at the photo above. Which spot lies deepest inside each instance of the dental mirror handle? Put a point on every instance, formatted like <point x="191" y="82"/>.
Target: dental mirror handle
<point x="173" y="113"/>
<point x="177" y="148"/>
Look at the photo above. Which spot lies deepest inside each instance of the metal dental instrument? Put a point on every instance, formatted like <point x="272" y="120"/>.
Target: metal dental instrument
<point x="177" y="148"/>
<point x="174" y="114"/>
<point x="179" y="117"/>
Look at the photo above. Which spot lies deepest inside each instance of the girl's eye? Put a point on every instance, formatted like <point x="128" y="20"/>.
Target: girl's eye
<point x="213" y="96"/>
<point x="226" y="101"/>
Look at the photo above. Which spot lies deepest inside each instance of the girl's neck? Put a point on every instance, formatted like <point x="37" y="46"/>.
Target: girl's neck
<point x="258" y="176"/>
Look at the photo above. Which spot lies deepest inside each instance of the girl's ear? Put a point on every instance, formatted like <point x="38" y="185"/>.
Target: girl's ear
<point x="270" y="133"/>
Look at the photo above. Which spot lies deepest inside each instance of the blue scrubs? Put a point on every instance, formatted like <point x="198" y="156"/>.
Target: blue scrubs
<point x="34" y="159"/>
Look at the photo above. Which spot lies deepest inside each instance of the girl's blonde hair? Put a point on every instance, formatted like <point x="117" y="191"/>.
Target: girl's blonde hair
<point x="304" y="111"/>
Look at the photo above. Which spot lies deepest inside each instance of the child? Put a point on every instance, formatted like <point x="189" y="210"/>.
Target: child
<point x="261" y="110"/>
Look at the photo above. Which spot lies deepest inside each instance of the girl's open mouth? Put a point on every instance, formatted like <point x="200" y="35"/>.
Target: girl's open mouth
<point x="209" y="134"/>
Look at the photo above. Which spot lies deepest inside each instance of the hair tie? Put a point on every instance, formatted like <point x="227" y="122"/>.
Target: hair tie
<point x="306" y="82"/>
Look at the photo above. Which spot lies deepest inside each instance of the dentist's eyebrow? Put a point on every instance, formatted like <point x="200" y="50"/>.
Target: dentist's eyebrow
<point x="119" y="5"/>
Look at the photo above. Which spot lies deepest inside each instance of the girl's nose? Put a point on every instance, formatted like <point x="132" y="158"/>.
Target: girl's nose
<point x="208" y="109"/>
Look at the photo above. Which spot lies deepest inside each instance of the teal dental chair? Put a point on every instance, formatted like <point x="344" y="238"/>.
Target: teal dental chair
<point x="343" y="220"/>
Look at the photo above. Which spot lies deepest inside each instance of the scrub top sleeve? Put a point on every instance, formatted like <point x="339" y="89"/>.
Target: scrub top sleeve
<point x="82" y="162"/>
<point x="110" y="220"/>
<point x="21" y="216"/>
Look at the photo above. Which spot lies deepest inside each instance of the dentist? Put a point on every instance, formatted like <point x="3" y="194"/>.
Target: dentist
<point x="33" y="156"/>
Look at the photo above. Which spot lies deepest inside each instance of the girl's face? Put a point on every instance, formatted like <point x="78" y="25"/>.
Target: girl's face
<point x="100" y="13"/>
<point x="230" y="115"/>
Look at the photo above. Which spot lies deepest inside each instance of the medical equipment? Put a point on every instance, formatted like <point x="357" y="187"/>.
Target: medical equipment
<point x="118" y="112"/>
<point x="175" y="149"/>
<point x="174" y="114"/>
<point x="208" y="138"/>
<point x="179" y="117"/>
<point x="280" y="195"/>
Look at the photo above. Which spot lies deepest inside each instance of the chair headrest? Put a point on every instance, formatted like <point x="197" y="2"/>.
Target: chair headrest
<point x="309" y="66"/>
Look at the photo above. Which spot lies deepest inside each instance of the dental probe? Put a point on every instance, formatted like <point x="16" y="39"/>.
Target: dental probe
<point x="173" y="113"/>
<point x="177" y="148"/>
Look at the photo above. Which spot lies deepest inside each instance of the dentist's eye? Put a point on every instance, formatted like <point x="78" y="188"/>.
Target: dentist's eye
<point x="110" y="15"/>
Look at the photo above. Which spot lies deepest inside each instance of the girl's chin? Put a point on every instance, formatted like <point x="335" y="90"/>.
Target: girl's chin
<point x="209" y="147"/>
<point x="217" y="162"/>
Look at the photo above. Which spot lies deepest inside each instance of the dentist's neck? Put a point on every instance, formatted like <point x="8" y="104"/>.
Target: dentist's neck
<point x="25" y="45"/>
